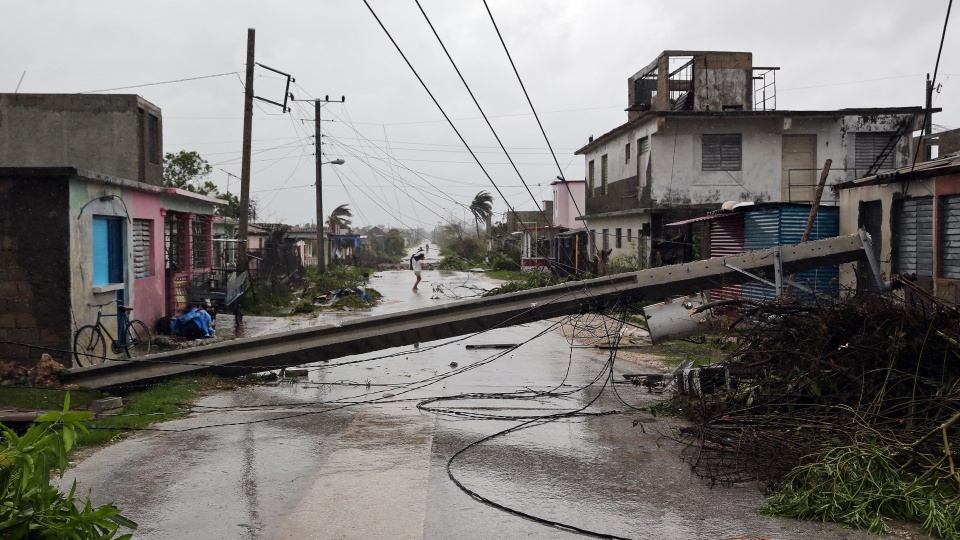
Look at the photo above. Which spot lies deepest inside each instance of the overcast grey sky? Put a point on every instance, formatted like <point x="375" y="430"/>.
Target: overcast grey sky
<point x="404" y="164"/>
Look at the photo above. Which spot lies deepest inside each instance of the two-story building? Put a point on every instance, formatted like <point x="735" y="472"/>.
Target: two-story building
<point x="85" y="219"/>
<point x="703" y="128"/>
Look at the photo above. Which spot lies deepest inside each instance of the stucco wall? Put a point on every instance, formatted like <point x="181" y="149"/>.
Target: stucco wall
<point x="677" y="161"/>
<point x="637" y="245"/>
<point x="149" y="291"/>
<point x="34" y="268"/>
<point x="88" y="200"/>
<point x="568" y="203"/>
<point x="101" y="133"/>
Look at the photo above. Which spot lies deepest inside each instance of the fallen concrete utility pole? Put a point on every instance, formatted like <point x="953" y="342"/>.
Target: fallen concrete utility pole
<point x="323" y="343"/>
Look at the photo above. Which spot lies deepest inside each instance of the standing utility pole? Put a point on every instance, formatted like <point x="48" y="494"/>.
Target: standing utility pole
<point x="321" y="246"/>
<point x="245" y="167"/>
<point x="928" y="123"/>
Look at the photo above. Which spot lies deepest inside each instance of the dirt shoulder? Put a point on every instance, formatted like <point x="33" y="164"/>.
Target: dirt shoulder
<point x="634" y="345"/>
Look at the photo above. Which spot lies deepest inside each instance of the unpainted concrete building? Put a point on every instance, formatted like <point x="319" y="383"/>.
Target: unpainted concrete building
<point x="702" y="129"/>
<point x="118" y="135"/>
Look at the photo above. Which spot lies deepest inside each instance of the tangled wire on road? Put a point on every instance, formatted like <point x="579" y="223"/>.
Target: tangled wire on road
<point x="850" y="411"/>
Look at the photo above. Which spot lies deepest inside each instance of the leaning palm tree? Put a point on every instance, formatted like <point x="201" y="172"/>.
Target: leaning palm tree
<point x="481" y="208"/>
<point x="340" y="216"/>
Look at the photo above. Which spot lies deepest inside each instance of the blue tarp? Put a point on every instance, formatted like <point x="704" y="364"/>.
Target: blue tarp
<point x="196" y="318"/>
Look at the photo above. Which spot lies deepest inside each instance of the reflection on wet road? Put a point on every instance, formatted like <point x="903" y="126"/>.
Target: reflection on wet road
<point x="346" y="453"/>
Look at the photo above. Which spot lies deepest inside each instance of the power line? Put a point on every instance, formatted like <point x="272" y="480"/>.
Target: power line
<point x="482" y="113"/>
<point x="533" y="110"/>
<point x="162" y="82"/>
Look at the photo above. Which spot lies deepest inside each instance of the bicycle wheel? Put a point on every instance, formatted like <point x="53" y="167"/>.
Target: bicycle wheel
<point x="89" y="347"/>
<point x="138" y="341"/>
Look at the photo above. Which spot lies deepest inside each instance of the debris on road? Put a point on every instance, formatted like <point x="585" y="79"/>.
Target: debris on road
<point x="849" y="411"/>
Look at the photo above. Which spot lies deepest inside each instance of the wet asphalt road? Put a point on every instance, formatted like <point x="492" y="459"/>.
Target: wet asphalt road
<point x="346" y="454"/>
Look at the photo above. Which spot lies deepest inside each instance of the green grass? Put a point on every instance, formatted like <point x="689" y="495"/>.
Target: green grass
<point x="141" y="409"/>
<point x="43" y="399"/>
<point x="504" y="275"/>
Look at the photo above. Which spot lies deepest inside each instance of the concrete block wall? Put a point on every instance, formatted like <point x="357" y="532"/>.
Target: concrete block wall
<point x="34" y="237"/>
<point x="116" y="134"/>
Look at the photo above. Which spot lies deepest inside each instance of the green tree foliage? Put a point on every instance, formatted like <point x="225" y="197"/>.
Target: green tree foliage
<point x="341" y="216"/>
<point x="395" y="245"/>
<point x="469" y="248"/>
<point x="189" y="171"/>
<point x="30" y="507"/>
<point x="482" y="209"/>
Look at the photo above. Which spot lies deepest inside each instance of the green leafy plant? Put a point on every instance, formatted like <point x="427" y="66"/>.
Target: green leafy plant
<point x="30" y="507"/>
<point x="528" y="280"/>
<point x="861" y="484"/>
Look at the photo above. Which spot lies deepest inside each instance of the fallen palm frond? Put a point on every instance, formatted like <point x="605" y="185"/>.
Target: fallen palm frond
<point x="848" y="411"/>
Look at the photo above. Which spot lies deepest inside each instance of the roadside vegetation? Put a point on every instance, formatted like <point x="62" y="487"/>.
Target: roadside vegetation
<point x="311" y="292"/>
<point x="846" y="411"/>
<point x="30" y="505"/>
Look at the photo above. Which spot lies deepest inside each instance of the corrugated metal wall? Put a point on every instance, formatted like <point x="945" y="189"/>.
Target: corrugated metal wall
<point x="913" y="239"/>
<point x="950" y="257"/>
<point x="783" y="225"/>
<point x="726" y="238"/>
<point x="761" y="230"/>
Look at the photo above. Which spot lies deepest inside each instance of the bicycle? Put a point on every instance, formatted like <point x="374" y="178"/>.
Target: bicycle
<point x="90" y="347"/>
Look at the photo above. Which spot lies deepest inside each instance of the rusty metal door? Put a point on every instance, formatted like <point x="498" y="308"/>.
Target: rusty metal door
<point x="798" y="168"/>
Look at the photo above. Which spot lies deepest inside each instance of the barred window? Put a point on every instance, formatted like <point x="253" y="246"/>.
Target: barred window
<point x="173" y="241"/>
<point x="201" y="241"/>
<point x="721" y="152"/>
<point x="142" y="266"/>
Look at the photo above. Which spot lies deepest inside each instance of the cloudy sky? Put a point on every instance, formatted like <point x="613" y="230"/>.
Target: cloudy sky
<point x="405" y="165"/>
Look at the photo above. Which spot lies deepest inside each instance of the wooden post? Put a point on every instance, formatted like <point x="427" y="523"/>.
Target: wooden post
<point x="245" y="166"/>
<point x="813" y="213"/>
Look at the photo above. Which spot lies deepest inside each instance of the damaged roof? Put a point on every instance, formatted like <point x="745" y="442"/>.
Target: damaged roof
<point x="926" y="169"/>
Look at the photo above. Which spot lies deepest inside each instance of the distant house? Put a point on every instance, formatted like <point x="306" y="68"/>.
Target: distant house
<point x="85" y="219"/>
<point x="538" y="244"/>
<point x="703" y="128"/>
<point x="913" y="217"/>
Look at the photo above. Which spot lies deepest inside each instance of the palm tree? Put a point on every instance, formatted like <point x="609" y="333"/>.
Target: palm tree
<point x="482" y="209"/>
<point x="340" y="216"/>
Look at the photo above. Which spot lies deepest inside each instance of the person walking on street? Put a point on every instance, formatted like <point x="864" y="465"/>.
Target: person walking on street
<point x="416" y="264"/>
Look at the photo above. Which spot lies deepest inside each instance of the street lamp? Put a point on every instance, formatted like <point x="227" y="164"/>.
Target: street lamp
<point x="321" y="248"/>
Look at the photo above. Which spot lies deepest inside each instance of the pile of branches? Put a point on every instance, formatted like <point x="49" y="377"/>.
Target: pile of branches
<point x="847" y="412"/>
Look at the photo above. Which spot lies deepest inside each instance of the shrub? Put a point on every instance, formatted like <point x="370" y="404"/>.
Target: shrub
<point x="452" y="262"/>
<point x="623" y="263"/>
<point x="469" y="248"/>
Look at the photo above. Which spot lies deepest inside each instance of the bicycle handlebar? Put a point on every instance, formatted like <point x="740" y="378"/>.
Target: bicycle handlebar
<point x="120" y="307"/>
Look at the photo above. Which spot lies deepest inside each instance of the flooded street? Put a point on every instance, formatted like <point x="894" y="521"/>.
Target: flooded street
<point x="345" y="453"/>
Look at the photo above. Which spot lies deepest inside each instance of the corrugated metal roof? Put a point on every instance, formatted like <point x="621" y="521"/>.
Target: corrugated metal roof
<point x="926" y="169"/>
